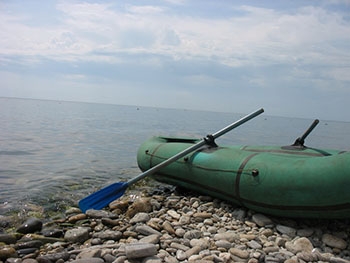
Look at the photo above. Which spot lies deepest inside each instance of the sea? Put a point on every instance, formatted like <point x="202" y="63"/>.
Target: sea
<point x="54" y="153"/>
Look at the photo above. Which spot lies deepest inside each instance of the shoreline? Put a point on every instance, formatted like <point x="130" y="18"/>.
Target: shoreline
<point x="165" y="225"/>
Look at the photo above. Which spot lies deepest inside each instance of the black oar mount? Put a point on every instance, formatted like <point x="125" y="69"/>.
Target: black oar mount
<point x="210" y="140"/>
<point x="301" y="140"/>
<point x="299" y="143"/>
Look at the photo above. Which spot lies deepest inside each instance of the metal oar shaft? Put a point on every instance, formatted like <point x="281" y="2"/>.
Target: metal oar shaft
<point x="194" y="147"/>
<point x="103" y="197"/>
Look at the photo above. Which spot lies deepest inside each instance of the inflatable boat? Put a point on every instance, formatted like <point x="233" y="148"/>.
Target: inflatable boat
<point x="288" y="181"/>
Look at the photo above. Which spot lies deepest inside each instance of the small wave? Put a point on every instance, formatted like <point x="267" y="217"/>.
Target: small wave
<point x="15" y="153"/>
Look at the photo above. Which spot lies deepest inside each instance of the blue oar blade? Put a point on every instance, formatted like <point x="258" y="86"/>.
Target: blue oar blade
<point x="103" y="197"/>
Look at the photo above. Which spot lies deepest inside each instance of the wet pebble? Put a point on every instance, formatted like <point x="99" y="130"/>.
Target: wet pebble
<point x="8" y="238"/>
<point x="7" y="252"/>
<point x="80" y="234"/>
<point x="31" y="225"/>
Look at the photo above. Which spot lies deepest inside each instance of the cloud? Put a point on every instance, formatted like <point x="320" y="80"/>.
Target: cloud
<point x="182" y="49"/>
<point x="256" y="37"/>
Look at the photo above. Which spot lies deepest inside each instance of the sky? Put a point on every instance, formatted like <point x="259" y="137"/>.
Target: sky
<point x="291" y="58"/>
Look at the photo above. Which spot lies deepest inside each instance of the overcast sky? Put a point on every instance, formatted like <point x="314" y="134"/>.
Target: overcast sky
<point x="290" y="57"/>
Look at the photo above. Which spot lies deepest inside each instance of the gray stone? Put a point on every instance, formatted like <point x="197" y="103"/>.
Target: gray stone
<point x="168" y="227"/>
<point x="147" y="230"/>
<point x="140" y="218"/>
<point x="153" y="239"/>
<point x="80" y="234"/>
<point x="289" y="231"/>
<point x="180" y="232"/>
<point x="254" y="245"/>
<point x="8" y="238"/>
<point x="173" y="214"/>
<point x="338" y="260"/>
<point x="29" y="260"/>
<point x="193" y="234"/>
<point x="261" y="220"/>
<point x="201" y="242"/>
<point x="307" y="257"/>
<point x="58" y="233"/>
<point x="299" y="245"/>
<point x="170" y="259"/>
<point x="90" y="253"/>
<point x="153" y="259"/>
<point x="192" y="251"/>
<point x="239" y="253"/>
<point x="108" y="235"/>
<point x="29" y="244"/>
<point x="223" y="244"/>
<point x="333" y="241"/>
<point x="184" y="220"/>
<point x="230" y="236"/>
<point x="99" y="214"/>
<point x="109" y="222"/>
<point x="181" y="255"/>
<point x="305" y="232"/>
<point x="26" y="251"/>
<point x="140" y="250"/>
<point x="225" y="257"/>
<point x="240" y="214"/>
<point x="120" y="259"/>
<point x="31" y="225"/>
<point x="109" y="258"/>
<point x="53" y="257"/>
<point x="179" y="246"/>
<point x="88" y="260"/>
<point x="73" y="210"/>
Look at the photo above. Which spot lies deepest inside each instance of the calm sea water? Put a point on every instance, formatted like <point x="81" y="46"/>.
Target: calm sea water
<point x="55" y="153"/>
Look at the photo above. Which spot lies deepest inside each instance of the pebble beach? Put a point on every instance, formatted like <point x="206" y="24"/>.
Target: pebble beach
<point x="165" y="224"/>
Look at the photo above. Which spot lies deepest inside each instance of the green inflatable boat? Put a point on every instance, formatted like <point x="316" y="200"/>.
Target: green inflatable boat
<point x="289" y="181"/>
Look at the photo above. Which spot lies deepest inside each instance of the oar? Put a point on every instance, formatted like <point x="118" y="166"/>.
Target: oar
<point x="103" y="197"/>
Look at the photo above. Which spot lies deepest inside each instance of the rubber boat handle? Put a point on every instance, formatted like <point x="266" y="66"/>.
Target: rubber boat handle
<point x="301" y="140"/>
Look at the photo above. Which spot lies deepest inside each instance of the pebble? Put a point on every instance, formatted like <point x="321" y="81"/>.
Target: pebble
<point x="7" y="252"/>
<point x="108" y="235"/>
<point x="88" y="260"/>
<point x="230" y="236"/>
<point x="147" y="230"/>
<point x="254" y="245"/>
<point x="261" y="220"/>
<point x="174" y="228"/>
<point x="76" y="218"/>
<point x="31" y="225"/>
<point x="140" y="218"/>
<point x="92" y="213"/>
<point x="193" y="234"/>
<point x="80" y="234"/>
<point x="8" y="238"/>
<point x="243" y="254"/>
<point x="140" y="250"/>
<point x="334" y="241"/>
<point x="299" y="245"/>
<point x="289" y="231"/>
